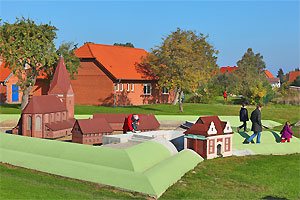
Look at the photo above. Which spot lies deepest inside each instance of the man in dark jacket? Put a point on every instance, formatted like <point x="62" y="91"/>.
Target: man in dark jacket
<point x="243" y="118"/>
<point x="256" y="124"/>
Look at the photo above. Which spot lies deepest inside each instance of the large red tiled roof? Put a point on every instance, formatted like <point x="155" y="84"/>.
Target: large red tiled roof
<point x="268" y="74"/>
<point x="60" y="83"/>
<point x="44" y="104"/>
<point x="121" y="62"/>
<point x="95" y="125"/>
<point x="293" y="75"/>
<point x="228" y="69"/>
<point x="203" y="123"/>
<point x="4" y="72"/>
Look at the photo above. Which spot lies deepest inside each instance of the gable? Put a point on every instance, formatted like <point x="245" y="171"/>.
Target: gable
<point x="120" y="62"/>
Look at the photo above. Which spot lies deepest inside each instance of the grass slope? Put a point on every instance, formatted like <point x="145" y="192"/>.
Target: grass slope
<point x="280" y="113"/>
<point x="250" y="177"/>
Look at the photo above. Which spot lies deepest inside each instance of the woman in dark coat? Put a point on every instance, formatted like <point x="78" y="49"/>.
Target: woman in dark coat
<point x="256" y="124"/>
<point x="286" y="133"/>
<point x="243" y="118"/>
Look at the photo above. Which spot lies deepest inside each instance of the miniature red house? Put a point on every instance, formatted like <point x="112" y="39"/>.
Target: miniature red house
<point x="90" y="131"/>
<point x="52" y="115"/>
<point x="210" y="137"/>
<point x="116" y="121"/>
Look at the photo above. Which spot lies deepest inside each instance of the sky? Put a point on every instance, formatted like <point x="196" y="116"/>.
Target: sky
<point x="271" y="28"/>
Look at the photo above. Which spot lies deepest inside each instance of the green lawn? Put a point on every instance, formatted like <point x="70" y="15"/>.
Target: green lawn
<point x="250" y="177"/>
<point x="279" y="113"/>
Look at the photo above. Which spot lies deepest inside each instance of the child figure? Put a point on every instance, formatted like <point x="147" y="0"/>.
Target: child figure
<point x="286" y="132"/>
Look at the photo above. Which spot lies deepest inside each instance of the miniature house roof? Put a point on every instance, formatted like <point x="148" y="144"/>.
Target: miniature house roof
<point x="209" y="125"/>
<point x="120" y="62"/>
<point x="60" y="83"/>
<point x="95" y="125"/>
<point x="44" y="104"/>
<point x="61" y="125"/>
<point x="147" y="122"/>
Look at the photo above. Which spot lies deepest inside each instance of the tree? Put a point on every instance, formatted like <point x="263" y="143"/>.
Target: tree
<point x="296" y="82"/>
<point x="250" y="75"/>
<point x="127" y="44"/>
<point x="183" y="62"/>
<point x="281" y="76"/>
<point x="28" y="50"/>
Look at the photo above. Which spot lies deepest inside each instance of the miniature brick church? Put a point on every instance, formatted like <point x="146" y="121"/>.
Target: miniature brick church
<point x="210" y="137"/>
<point x="52" y="115"/>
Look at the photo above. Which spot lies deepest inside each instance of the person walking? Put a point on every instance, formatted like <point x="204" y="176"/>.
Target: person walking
<point x="225" y="95"/>
<point x="243" y="118"/>
<point x="286" y="133"/>
<point x="256" y="124"/>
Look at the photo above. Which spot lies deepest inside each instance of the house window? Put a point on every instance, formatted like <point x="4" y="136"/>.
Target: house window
<point x="116" y="87"/>
<point x="29" y="123"/>
<point x="121" y="87"/>
<point x="227" y="144"/>
<point x="38" y="123"/>
<point x="132" y="87"/>
<point x="147" y="89"/>
<point x="165" y="90"/>
<point x="128" y="87"/>
<point x="211" y="146"/>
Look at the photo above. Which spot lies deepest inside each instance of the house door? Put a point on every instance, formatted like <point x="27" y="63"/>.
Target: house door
<point x="15" y="93"/>
<point x="219" y="150"/>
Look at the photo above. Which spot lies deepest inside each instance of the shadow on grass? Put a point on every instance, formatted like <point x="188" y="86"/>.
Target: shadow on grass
<point x="246" y="136"/>
<point x="276" y="136"/>
<point x="274" y="198"/>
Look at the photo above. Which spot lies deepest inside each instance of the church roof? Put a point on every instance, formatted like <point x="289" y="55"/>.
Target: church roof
<point x="60" y="83"/>
<point x="44" y="104"/>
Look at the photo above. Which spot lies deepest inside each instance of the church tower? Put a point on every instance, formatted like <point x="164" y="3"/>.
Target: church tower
<point x="61" y="87"/>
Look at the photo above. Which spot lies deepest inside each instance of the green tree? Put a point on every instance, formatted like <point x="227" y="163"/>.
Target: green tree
<point x="296" y="82"/>
<point x="250" y="75"/>
<point x="281" y="76"/>
<point x="183" y="62"/>
<point x="127" y="44"/>
<point x="28" y="49"/>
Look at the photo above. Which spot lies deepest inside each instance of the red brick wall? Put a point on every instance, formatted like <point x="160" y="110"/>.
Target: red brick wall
<point x="41" y="88"/>
<point x="92" y="86"/>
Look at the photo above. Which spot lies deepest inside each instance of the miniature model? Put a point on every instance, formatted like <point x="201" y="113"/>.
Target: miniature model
<point x="243" y="118"/>
<point x="116" y="121"/>
<point x="90" y="131"/>
<point x="131" y="123"/>
<point x="256" y="124"/>
<point x="52" y="115"/>
<point x="286" y="133"/>
<point x="210" y="137"/>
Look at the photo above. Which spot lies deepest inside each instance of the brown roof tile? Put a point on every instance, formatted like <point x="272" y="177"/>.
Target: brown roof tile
<point x="60" y="83"/>
<point x="95" y="125"/>
<point x="56" y="126"/>
<point x="147" y="122"/>
<point x="202" y="125"/>
<point x="44" y="104"/>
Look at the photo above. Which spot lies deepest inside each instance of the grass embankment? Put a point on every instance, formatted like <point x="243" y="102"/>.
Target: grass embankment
<point x="250" y="177"/>
<point x="279" y="113"/>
